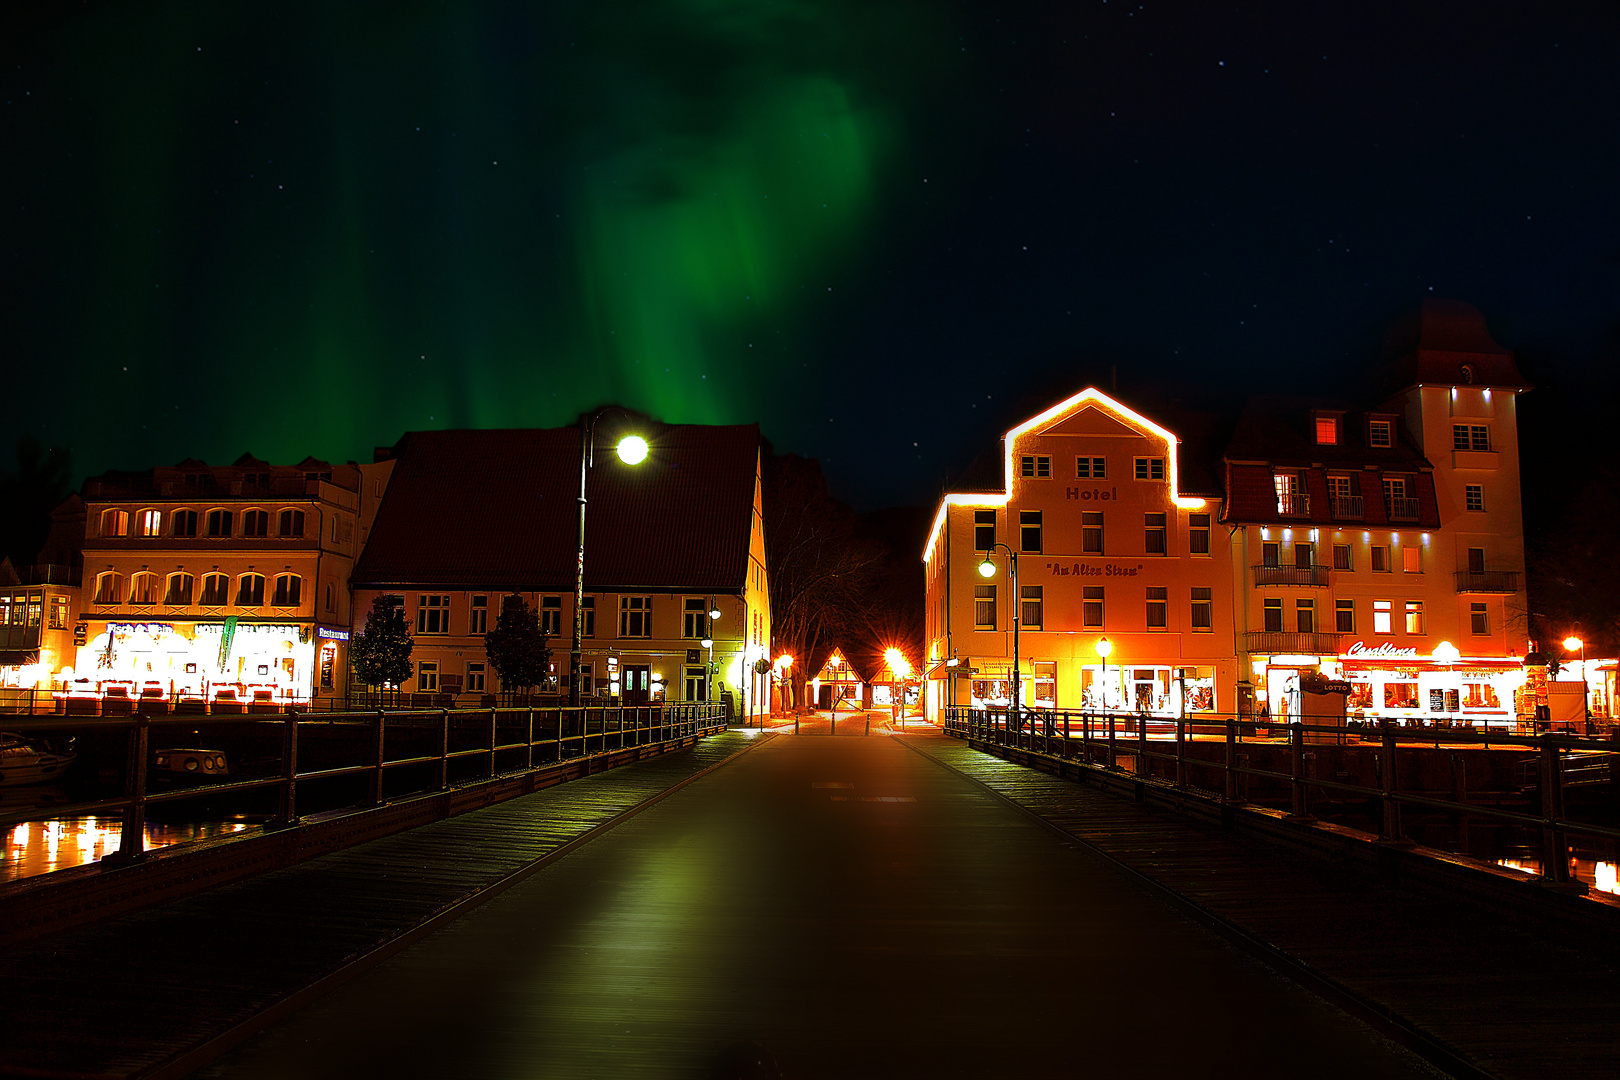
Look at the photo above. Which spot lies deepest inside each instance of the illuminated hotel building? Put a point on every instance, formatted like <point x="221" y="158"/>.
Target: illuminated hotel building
<point x="1116" y="535"/>
<point x="224" y="585"/>
<point x="1385" y="547"/>
<point x="472" y="517"/>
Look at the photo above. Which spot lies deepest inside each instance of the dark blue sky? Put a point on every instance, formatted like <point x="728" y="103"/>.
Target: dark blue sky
<point x="884" y="230"/>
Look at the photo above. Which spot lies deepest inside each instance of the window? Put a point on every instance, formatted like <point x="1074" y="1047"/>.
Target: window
<point x="179" y="591"/>
<point x="432" y="614"/>
<point x="1198" y="534"/>
<point x="1203" y="616"/>
<point x="1412" y="559"/>
<point x="1479" y="621"/>
<point x="256" y="480"/>
<point x="984" y="607"/>
<point x="1474" y="496"/>
<point x="588" y="606"/>
<point x="183" y="523"/>
<point x="1381" y="617"/>
<point x="143" y="589"/>
<point x="1470" y="437"/>
<point x="219" y="523"/>
<point x="1379" y="555"/>
<point x="110" y="588"/>
<point x="115" y="523"/>
<point x="478" y="616"/>
<point x="475" y="678"/>
<point x="1158" y="607"/>
<point x="215" y="590"/>
<point x="1091" y="468"/>
<point x="551" y="616"/>
<point x="1029" y="530"/>
<point x="59" y="612"/>
<point x="331" y="597"/>
<point x="289" y="590"/>
<point x="1342" y="559"/>
<point x="1091" y="533"/>
<point x="1150" y="468"/>
<point x="291" y="523"/>
<point x="1155" y="537"/>
<point x="1339" y="487"/>
<point x="1476" y="560"/>
<point x="1091" y="607"/>
<point x="1304" y="555"/>
<point x="1414" y="616"/>
<point x="1344" y="616"/>
<point x="148" y="523"/>
<point x="427" y="676"/>
<point x="1032" y="606"/>
<point x="1305" y="616"/>
<point x="255" y="523"/>
<point x="984" y="530"/>
<point x="635" y="616"/>
<point x="695" y="618"/>
<point x="1327" y="430"/>
<point x="1291" y="497"/>
<point x="1273" y="617"/>
<point x="1268" y="553"/>
<point x="1040" y="467"/>
<point x="1380" y="434"/>
<point x="250" y="593"/>
<point x="587" y="676"/>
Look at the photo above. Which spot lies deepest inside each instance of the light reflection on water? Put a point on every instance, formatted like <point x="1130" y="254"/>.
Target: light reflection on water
<point x="1599" y="874"/>
<point x="39" y="847"/>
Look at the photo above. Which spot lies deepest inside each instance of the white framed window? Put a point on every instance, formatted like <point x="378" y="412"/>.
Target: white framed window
<point x="1158" y="607"/>
<point x="1156" y="531"/>
<point x="1029" y="530"/>
<point x="216" y="590"/>
<point x="984" y="607"/>
<point x="551" y="616"/>
<point x="1091" y="532"/>
<point x="1383" y="620"/>
<point x="1344" y="616"/>
<point x="1150" y="468"/>
<point x="1272" y="616"/>
<point x="255" y="523"/>
<point x="1414" y="616"/>
<point x="427" y="676"/>
<point x="475" y="678"/>
<point x="695" y="618"/>
<point x="1036" y="465"/>
<point x="1412" y="559"/>
<point x="110" y="588"/>
<point x="289" y="591"/>
<point x="1479" y="619"/>
<point x="635" y="616"/>
<point x="1091" y="468"/>
<point x="1474" y="497"/>
<point x="1343" y="558"/>
<point x="1091" y="607"/>
<point x="1327" y="430"/>
<point x="178" y="593"/>
<point x="984" y="530"/>
<point x="1380" y="434"/>
<point x="589" y="606"/>
<point x="1202" y="612"/>
<point x="1032" y="606"/>
<point x="1305" y="615"/>
<point x="478" y="615"/>
<point x="1378" y="558"/>
<point x="1470" y="437"/>
<point x="143" y="589"/>
<point x="432" y="614"/>
<point x="1198" y="534"/>
<point x="250" y="591"/>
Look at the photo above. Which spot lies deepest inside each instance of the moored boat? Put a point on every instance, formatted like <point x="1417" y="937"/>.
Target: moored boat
<point x="25" y="760"/>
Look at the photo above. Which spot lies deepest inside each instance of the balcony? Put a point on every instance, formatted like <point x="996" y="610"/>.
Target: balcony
<point x="1282" y="641"/>
<point x="1505" y="582"/>
<point x="1347" y="508"/>
<point x="1294" y="504"/>
<point x="1291" y="575"/>
<point x="1401" y="509"/>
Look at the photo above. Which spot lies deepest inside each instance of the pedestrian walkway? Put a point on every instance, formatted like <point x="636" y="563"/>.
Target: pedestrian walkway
<point x="125" y="996"/>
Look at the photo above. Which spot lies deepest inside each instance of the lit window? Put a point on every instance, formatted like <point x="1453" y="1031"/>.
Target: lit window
<point x="1412" y="559"/>
<point x="1382" y="620"/>
<point x="1474" y="496"/>
<point x="250" y="593"/>
<point x="1036" y="466"/>
<point x="551" y="616"/>
<point x="1327" y="430"/>
<point x="984" y="530"/>
<point x="59" y="612"/>
<point x="1029" y="530"/>
<point x="179" y="591"/>
<point x="1091" y="468"/>
<point x="1198" y="534"/>
<point x="432" y="614"/>
<point x="984" y="607"/>
<point x="1379" y="434"/>
<point x="1344" y="616"/>
<point x="1150" y="468"/>
<point x="1091" y="607"/>
<point x="1032" y="606"/>
<point x="635" y="616"/>
<point x="289" y="588"/>
<point x="255" y="523"/>
<point x="478" y="616"/>
<point x="1479" y="621"/>
<point x="1091" y="533"/>
<point x="1203" y="616"/>
<point x="148" y="523"/>
<point x="291" y="523"/>
<point x="115" y="523"/>
<point x="1158" y="607"/>
<point x="1414" y="616"/>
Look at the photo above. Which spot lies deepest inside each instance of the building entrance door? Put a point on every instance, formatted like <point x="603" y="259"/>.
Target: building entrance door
<point x="696" y="688"/>
<point x="637" y="684"/>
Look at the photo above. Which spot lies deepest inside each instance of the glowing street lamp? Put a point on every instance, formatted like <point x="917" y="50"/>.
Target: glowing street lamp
<point x="987" y="569"/>
<point x="1104" y="648"/>
<point x="1572" y="644"/>
<point x="632" y="450"/>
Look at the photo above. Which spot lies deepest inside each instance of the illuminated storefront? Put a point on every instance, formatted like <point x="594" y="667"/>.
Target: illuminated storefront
<point x="202" y="660"/>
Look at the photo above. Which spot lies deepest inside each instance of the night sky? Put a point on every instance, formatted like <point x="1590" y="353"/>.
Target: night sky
<point x="884" y="230"/>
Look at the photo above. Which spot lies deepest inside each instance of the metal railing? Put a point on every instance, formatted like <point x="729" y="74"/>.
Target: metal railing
<point x="1401" y="509"/>
<point x="1347" y="507"/>
<point x="1290" y="575"/>
<point x="480" y="744"/>
<point x="1487" y="581"/>
<point x="1154" y="745"/>
<point x="1289" y="641"/>
<point x="1293" y="504"/>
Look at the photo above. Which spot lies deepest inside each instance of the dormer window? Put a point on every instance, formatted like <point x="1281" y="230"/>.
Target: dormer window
<point x="1327" y="431"/>
<point x="1380" y="434"/>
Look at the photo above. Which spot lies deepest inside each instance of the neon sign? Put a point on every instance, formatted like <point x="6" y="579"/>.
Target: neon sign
<point x="1382" y="651"/>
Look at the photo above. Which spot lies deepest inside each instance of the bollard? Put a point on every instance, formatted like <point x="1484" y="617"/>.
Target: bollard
<point x="132" y="839"/>
<point x="289" y="790"/>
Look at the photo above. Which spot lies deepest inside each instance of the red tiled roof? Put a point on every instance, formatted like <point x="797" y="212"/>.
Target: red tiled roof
<point x="499" y="509"/>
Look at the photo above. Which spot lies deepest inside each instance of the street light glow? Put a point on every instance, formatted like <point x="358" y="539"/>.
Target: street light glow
<point x="1573" y="643"/>
<point x="632" y="449"/>
<point x="987" y="569"/>
<point x="897" y="662"/>
<point x="1104" y="647"/>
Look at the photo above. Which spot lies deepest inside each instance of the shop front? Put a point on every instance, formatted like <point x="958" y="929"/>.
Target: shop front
<point x="1398" y="684"/>
<point x="214" y="662"/>
<point x="1159" y="690"/>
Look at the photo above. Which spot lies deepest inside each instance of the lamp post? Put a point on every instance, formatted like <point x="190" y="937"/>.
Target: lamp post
<point x="632" y="450"/>
<point x="1104" y="648"/>
<point x="1572" y="643"/>
<point x="988" y="569"/>
<point x="708" y="643"/>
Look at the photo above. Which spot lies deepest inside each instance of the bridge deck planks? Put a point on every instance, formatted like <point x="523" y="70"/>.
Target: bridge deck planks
<point x="122" y="996"/>
<point x="1518" y="1004"/>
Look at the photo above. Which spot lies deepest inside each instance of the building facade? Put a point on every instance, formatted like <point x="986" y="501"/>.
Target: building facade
<point x="472" y="517"/>
<point x="1123" y="598"/>
<point x="225" y="585"/>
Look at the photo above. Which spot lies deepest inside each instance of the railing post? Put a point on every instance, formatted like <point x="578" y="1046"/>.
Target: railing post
<point x="1142" y="767"/>
<point x="1296" y="763"/>
<point x="493" y="741"/>
<point x="444" y="749"/>
<point x="528" y="760"/>
<point x="1554" y="848"/>
<point x="377" y="759"/>
<point x="289" y="758"/>
<point x="1390" y="828"/>
<point x="1181" y="753"/>
<point x="1113" y="741"/>
<point x="1231" y="760"/>
<point x="132" y="838"/>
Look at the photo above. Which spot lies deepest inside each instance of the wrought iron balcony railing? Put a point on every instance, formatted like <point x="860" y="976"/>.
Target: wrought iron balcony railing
<point x="1283" y="641"/>
<point x="1402" y="509"/>
<point x="1347" y="507"/>
<point x="1487" y="581"/>
<point x="1294" y="504"/>
<point x="1291" y="575"/>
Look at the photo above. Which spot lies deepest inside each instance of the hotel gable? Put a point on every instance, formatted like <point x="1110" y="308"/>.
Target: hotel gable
<point x="1299" y="559"/>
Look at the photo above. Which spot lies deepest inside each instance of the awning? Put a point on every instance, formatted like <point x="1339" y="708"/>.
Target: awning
<point x="18" y="657"/>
